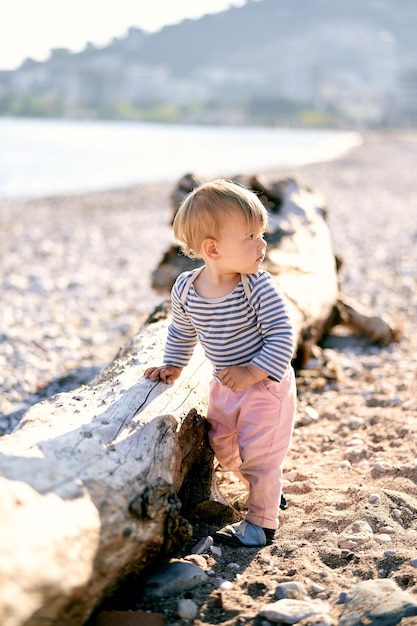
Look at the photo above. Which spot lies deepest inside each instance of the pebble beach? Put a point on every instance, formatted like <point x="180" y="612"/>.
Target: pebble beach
<point x="76" y="276"/>
<point x="76" y="270"/>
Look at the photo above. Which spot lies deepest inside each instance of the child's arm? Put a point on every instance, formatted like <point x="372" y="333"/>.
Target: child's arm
<point x="239" y="377"/>
<point x="275" y="327"/>
<point x="180" y="343"/>
<point x="167" y="373"/>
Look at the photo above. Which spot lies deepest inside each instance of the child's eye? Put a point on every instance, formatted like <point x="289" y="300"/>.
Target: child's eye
<point x="251" y="237"/>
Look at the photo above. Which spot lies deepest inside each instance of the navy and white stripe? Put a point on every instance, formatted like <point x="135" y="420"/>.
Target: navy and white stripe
<point x="232" y="329"/>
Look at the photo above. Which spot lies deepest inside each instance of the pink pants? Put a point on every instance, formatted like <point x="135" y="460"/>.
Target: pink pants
<point x="250" y="433"/>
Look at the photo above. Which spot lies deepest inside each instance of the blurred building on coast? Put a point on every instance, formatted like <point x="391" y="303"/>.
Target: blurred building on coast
<point x="271" y="62"/>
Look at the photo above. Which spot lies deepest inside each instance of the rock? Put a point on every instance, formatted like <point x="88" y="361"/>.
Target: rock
<point x="291" y="611"/>
<point x="382" y="538"/>
<point x="187" y="609"/>
<point x="172" y="578"/>
<point x="197" y="559"/>
<point x="379" y="602"/>
<point x="233" y="566"/>
<point x="355" y="535"/>
<point x="225" y="585"/>
<point x="203" y="545"/>
<point x="390" y="552"/>
<point x="291" y="589"/>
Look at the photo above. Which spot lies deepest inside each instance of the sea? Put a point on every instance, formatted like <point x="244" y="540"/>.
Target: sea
<point x="42" y="157"/>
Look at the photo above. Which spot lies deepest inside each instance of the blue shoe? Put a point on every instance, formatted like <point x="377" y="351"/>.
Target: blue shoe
<point x="245" y="534"/>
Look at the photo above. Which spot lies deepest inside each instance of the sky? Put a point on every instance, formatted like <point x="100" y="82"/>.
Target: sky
<point x="31" y="28"/>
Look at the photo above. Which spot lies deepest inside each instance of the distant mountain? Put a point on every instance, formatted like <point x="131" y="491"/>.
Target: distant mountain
<point x="262" y="31"/>
<point x="308" y="62"/>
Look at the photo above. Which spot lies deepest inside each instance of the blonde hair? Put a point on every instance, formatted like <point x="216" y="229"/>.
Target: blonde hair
<point x="200" y="215"/>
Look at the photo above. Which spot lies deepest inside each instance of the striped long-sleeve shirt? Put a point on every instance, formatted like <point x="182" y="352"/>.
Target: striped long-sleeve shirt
<point x="233" y="330"/>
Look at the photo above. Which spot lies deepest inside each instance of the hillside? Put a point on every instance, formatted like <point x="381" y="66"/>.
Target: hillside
<point x="265" y="29"/>
<point x="283" y="62"/>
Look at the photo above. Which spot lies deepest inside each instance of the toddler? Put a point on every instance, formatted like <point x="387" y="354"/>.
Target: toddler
<point x="234" y="309"/>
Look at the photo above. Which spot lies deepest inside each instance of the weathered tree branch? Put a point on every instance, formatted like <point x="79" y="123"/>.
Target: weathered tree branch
<point x="90" y="482"/>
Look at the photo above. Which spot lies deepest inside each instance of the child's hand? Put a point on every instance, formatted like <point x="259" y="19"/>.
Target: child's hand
<point x="167" y="373"/>
<point x="239" y="377"/>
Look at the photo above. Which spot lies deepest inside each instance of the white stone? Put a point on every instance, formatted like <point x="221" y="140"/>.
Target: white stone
<point x="354" y="535"/>
<point x="187" y="609"/>
<point x="387" y="529"/>
<point x="225" y="584"/>
<point x="292" y="611"/>
<point x="382" y="538"/>
<point x="355" y="422"/>
<point x="292" y="547"/>
<point x="380" y="466"/>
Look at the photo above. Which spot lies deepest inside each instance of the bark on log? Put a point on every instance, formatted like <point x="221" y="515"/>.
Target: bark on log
<point x="91" y="485"/>
<point x="92" y="481"/>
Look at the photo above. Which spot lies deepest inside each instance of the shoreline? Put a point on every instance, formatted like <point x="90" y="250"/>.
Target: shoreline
<point x="153" y="154"/>
<point x="76" y="269"/>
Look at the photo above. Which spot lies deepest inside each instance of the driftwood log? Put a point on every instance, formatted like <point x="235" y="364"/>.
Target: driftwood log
<point x="98" y="482"/>
<point x="95" y="484"/>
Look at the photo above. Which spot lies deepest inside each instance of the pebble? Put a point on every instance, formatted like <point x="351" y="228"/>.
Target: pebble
<point x="291" y="589"/>
<point x="292" y="548"/>
<point x="203" y="545"/>
<point x="234" y="566"/>
<point x="197" y="559"/>
<point x="187" y="609"/>
<point x="387" y="529"/>
<point x="292" y="611"/>
<point x="345" y="464"/>
<point x="355" y="535"/>
<point x="225" y="585"/>
<point x="356" y="442"/>
<point x="381" y="467"/>
<point x="172" y="578"/>
<point x="374" y="498"/>
<point x="382" y="537"/>
<point x="356" y="422"/>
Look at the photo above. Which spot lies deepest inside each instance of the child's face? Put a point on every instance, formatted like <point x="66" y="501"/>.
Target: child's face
<point x="241" y="246"/>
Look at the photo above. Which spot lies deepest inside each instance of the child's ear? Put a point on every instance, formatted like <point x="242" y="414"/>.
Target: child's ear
<point x="209" y="248"/>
